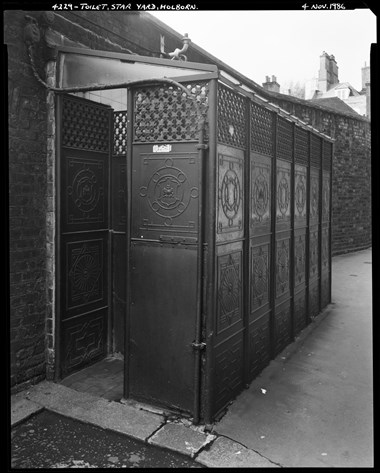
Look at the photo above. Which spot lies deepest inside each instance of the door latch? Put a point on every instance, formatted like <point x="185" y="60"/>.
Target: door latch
<point x="198" y="346"/>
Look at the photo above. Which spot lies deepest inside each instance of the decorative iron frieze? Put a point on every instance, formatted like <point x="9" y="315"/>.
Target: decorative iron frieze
<point x="284" y="139"/>
<point x="262" y="132"/>
<point x="166" y="113"/>
<point x="231" y="118"/>
<point x="85" y="126"/>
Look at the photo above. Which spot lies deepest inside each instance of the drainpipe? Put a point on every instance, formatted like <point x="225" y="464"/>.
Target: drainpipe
<point x="198" y="345"/>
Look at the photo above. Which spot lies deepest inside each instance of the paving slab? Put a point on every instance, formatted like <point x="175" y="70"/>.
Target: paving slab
<point x="225" y="453"/>
<point x="182" y="439"/>
<point x="22" y="408"/>
<point x="115" y="416"/>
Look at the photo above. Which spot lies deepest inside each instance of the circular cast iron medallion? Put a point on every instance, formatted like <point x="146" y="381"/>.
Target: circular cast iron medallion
<point x="283" y="195"/>
<point x="260" y="196"/>
<point x="85" y="190"/>
<point x="230" y="194"/>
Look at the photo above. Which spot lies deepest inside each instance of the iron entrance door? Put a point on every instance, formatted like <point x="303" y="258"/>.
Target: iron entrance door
<point x="165" y="225"/>
<point x="83" y="231"/>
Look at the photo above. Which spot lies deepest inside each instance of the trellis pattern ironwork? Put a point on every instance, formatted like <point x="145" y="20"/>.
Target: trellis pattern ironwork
<point x="301" y="145"/>
<point x="120" y="133"/>
<point x="315" y="153"/>
<point x="262" y="131"/>
<point x="284" y="139"/>
<point x="327" y="156"/>
<point x="166" y="113"/>
<point x="231" y="118"/>
<point x="85" y="126"/>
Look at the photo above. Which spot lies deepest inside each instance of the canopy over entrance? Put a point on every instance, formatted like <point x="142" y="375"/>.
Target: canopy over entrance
<point x="86" y="68"/>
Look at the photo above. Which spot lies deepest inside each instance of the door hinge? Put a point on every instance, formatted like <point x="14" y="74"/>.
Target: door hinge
<point x="198" y="346"/>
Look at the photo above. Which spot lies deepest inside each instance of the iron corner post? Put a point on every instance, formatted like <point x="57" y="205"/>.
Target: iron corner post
<point x="246" y="289"/>
<point x="130" y="107"/>
<point x="209" y="236"/>
<point x="273" y="241"/>
<point x="307" y="262"/>
<point x="292" y="236"/>
<point x="320" y="223"/>
<point x="58" y="109"/>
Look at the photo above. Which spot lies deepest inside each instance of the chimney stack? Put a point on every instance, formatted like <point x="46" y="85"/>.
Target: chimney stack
<point x="271" y="85"/>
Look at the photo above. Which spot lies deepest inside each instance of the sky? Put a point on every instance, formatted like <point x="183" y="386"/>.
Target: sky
<point x="286" y="44"/>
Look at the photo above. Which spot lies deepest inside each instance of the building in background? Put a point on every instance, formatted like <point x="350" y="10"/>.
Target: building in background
<point x="327" y="87"/>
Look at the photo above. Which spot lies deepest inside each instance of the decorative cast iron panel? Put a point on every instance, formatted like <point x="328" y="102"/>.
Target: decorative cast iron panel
<point x="313" y="299"/>
<point x="282" y="267"/>
<point x="301" y="145"/>
<point x="327" y="155"/>
<point x="325" y="248"/>
<point x="315" y="154"/>
<point x="259" y="345"/>
<point x="262" y="133"/>
<point x="165" y="194"/>
<point x="228" y="371"/>
<point x="325" y="289"/>
<point x="120" y="133"/>
<point x="84" y="340"/>
<point x="119" y="194"/>
<point x="283" y="194"/>
<point x="299" y="259"/>
<point x="300" y="193"/>
<point x="282" y="326"/>
<point x="86" y="275"/>
<point x="230" y="194"/>
<point x="231" y="118"/>
<point x="260" y="195"/>
<point x="85" y="125"/>
<point x="326" y="196"/>
<point x="85" y="192"/>
<point x="314" y="197"/>
<point x="229" y="305"/>
<point x="166" y="113"/>
<point x="313" y="256"/>
<point x="284" y="139"/>
<point x="299" y="312"/>
<point x="259" y="276"/>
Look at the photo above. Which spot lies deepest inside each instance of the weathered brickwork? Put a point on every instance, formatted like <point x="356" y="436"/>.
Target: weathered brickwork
<point x="32" y="157"/>
<point x="351" y="212"/>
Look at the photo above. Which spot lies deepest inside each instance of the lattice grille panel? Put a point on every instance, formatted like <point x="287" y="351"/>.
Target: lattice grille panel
<point x="301" y="145"/>
<point x="261" y="130"/>
<point x="327" y="155"/>
<point x="120" y="133"/>
<point x="284" y="139"/>
<point x="231" y="118"/>
<point x="166" y="113"/>
<point x="315" y="155"/>
<point x="85" y="125"/>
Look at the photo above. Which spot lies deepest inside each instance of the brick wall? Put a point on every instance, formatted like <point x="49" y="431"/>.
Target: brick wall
<point x="27" y="208"/>
<point x="351" y="213"/>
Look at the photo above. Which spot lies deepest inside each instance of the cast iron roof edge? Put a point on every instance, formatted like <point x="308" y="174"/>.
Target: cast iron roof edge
<point x="248" y="82"/>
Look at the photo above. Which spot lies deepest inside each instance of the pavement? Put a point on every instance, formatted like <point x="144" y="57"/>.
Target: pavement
<point x="311" y="407"/>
